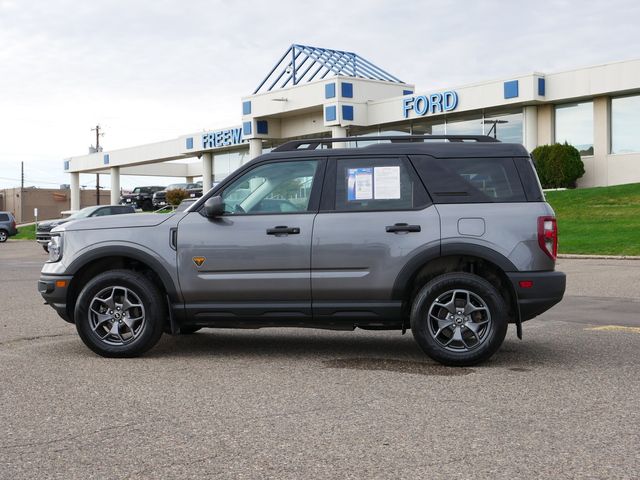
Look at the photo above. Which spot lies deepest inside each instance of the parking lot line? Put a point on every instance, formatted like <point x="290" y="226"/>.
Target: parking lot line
<point x="615" y="328"/>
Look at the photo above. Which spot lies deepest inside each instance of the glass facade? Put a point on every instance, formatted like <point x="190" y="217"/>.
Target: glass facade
<point x="625" y="124"/>
<point x="506" y="127"/>
<point x="227" y="162"/>
<point x="468" y="125"/>
<point x="574" y="125"/>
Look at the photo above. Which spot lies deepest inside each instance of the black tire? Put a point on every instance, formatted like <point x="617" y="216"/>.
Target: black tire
<point x="140" y="291"/>
<point x="147" y="206"/>
<point x="4" y="235"/>
<point x="188" y="330"/>
<point x="472" y="338"/>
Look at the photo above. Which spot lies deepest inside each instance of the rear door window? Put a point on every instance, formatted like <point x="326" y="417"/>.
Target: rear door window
<point x="377" y="184"/>
<point x="4" y="217"/>
<point x="470" y="180"/>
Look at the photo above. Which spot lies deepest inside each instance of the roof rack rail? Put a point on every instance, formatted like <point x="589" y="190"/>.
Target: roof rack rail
<point x="314" y="143"/>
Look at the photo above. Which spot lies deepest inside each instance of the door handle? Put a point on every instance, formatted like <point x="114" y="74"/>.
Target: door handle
<point x="402" y="227"/>
<point x="283" y="230"/>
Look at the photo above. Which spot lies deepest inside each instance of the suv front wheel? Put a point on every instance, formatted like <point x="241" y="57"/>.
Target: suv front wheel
<point x="120" y="313"/>
<point x="459" y="319"/>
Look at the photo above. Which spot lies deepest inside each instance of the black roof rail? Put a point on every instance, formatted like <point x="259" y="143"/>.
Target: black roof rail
<point x="314" y="143"/>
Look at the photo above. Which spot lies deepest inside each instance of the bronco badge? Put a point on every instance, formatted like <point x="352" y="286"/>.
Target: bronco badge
<point x="199" y="261"/>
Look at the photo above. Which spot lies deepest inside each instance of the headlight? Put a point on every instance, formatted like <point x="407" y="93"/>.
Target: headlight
<point x="55" y="248"/>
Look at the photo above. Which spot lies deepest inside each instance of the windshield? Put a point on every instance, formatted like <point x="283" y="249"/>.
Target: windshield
<point x="84" y="213"/>
<point x="137" y="190"/>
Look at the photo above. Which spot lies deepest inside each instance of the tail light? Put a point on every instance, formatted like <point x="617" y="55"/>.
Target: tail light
<point x="13" y="224"/>
<point x="548" y="236"/>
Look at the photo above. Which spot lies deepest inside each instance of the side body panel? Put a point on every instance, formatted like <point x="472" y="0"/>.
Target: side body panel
<point x="510" y="229"/>
<point x="241" y="262"/>
<point x="355" y="261"/>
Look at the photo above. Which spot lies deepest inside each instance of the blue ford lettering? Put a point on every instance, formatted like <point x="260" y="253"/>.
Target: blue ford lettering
<point x="222" y="138"/>
<point x="434" y="103"/>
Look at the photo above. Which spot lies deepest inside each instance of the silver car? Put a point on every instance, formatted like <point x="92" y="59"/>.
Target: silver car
<point x="450" y="238"/>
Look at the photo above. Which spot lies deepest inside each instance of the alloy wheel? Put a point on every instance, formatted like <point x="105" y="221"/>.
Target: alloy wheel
<point x="116" y="315"/>
<point x="459" y="320"/>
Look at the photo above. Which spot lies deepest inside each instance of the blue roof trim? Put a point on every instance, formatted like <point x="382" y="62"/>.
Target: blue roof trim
<point x="304" y="63"/>
<point x="105" y="159"/>
<point x="246" y="107"/>
<point x="189" y="143"/>
<point x="347" y="90"/>
<point x="66" y="164"/>
<point x="246" y="128"/>
<point x="262" y="127"/>
<point x="330" y="90"/>
<point x="330" y="114"/>
<point x="511" y="89"/>
<point x="347" y="112"/>
<point x="541" y="87"/>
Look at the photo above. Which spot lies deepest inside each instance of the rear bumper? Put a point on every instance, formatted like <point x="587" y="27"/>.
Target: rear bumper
<point x="547" y="289"/>
<point x="55" y="293"/>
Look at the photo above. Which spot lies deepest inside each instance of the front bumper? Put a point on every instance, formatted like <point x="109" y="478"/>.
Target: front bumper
<point x="43" y="238"/>
<point x="54" y="290"/>
<point x="545" y="290"/>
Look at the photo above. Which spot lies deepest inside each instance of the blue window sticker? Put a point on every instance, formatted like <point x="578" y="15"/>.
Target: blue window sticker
<point x="360" y="184"/>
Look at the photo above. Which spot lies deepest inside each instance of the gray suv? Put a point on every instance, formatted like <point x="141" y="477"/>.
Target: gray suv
<point x="449" y="236"/>
<point x="7" y="226"/>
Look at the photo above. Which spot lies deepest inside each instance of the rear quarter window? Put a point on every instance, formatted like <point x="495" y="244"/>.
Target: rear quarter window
<point x="470" y="180"/>
<point x="4" y="217"/>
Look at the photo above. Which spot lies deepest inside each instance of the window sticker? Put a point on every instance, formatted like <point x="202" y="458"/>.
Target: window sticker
<point x="360" y="184"/>
<point x="387" y="183"/>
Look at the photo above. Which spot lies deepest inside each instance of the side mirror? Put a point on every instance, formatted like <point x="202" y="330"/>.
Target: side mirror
<point x="214" y="207"/>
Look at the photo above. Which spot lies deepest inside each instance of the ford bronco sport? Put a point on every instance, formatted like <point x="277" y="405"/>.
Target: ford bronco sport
<point x="449" y="236"/>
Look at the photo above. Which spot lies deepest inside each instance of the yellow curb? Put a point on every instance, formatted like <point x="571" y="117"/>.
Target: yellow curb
<point x="615" y="328"/>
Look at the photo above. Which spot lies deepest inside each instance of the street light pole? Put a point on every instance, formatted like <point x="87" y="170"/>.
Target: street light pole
<point x="98" y="135"/>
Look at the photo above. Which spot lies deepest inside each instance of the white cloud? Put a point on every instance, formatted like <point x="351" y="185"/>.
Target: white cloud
<point x="151" y="70"/>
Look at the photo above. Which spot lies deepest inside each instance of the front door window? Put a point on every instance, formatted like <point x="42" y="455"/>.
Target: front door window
<point x="282" y="187"/>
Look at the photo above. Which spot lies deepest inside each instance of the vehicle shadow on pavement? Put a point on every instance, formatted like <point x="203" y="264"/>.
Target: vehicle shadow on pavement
<point x="536" y="350"/>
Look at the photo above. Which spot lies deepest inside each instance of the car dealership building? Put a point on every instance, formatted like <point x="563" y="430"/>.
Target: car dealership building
<point x="315" y="92"/>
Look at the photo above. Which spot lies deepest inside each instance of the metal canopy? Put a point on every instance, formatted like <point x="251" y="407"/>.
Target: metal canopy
<point x="303" y="63"/>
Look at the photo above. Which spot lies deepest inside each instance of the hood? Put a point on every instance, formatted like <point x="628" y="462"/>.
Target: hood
<point x="130" y="195"/>
<point x="47" y="225"/>
<point x="129" y="220"/>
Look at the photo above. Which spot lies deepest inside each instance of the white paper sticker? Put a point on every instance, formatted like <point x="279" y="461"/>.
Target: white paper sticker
<point x="386" y="183"/>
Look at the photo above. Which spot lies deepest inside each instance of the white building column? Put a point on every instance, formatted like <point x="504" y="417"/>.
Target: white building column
<point x="601" y="140"/>
<point x="115" y="185"/>
<point x="255" y="148"/>
<point x="188" y="179"/>
<point x="530" y="127"/>
<point x="207" y="171"/>
<point x="338" y="132"/>
<point x="74" y="186"/>
<point x="546" y="124"/>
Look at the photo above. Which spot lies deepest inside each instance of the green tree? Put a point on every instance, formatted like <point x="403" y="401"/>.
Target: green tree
<point x="175" y="196"/>
<point x="558" y="165"/>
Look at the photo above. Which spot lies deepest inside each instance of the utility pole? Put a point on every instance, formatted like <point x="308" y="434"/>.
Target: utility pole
<point x="98" y="135"/>
<point x="21" y="175"/>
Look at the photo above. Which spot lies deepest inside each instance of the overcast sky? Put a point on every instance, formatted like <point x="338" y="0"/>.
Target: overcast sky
<point x="153" y="70"/>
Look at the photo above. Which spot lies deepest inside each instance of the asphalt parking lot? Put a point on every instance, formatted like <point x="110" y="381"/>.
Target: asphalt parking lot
<point x="562" y="403"/>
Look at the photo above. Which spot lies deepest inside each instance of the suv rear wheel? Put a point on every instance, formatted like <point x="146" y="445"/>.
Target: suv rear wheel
<point x="459" y="319"/>
<point x="120" y="313"/>
<point x="3" y="236"/>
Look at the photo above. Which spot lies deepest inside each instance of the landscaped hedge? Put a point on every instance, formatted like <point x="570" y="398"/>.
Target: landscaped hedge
<point x="176" y="195"/>
<point x="558" y="165"/>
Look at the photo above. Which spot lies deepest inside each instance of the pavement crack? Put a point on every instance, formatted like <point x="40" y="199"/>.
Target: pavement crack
<point x="66" y="438"/>
<point x="37" y="337"/>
